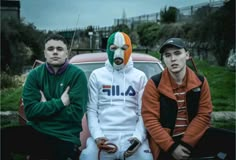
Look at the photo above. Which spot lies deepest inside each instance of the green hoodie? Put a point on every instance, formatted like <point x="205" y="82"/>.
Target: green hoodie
<point x="52" y="117"/>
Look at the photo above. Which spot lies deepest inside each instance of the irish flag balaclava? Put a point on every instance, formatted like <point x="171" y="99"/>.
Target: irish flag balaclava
<point x="119" y="49"/>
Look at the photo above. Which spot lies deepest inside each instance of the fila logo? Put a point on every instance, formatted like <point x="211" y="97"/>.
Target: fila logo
<point x="114" y="90"/>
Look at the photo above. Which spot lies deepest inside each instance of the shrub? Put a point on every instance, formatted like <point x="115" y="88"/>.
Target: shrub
<point x="8" y="81"/>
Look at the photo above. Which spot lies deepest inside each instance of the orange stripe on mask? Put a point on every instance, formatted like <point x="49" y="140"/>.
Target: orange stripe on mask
<point x="129" y="50"/>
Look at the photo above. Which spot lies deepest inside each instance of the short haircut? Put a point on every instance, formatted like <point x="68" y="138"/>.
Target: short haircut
<point x="55" y="36"/>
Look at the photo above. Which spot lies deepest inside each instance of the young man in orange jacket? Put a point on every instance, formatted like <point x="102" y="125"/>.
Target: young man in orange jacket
<point x="176" y="109"/>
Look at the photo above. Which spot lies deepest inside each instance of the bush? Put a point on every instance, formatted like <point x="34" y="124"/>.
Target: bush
<point x="8" y="81"/>
<point x="231" y="62"/>
<point x="10" y="98"/>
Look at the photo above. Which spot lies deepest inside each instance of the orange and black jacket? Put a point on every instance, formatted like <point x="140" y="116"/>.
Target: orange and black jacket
<point x="159" y="111"/>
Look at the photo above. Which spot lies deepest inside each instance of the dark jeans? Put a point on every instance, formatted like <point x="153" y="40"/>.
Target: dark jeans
<point x="28" y="141"/>
<point x="213" y="141"/>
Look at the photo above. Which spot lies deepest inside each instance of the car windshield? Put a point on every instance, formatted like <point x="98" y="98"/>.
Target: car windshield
<point x="149" y="68"/>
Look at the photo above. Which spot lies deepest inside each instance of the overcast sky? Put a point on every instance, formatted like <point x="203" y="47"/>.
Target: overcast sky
<point x="64" y="14"/>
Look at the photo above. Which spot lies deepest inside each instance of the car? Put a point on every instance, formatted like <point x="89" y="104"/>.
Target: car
<point x="91" y="61"/>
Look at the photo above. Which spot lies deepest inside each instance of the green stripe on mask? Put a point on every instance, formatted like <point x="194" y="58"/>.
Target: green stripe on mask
<point x="110" y="53"/>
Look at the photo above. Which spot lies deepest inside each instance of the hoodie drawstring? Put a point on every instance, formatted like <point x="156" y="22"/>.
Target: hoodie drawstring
<point x="112" y="82"/>
<point x="124" y="85"/>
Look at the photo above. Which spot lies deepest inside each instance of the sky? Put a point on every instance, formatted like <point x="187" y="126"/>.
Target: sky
<point x="69" y="14"/>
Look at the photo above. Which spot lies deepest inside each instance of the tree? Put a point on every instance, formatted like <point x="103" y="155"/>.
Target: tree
<point x="222" y="30"/>
<point x="167" y="31"/>
<point x="121" y="28"/>
<point x="21" y="44"/>
<point x="134" y="38"/>
<point x="10" y="38"/>
<point x="148" y="34"/>
<point x="218" y="29"/>
<point x="169" y="15"/>
<point x="202" y="13"/>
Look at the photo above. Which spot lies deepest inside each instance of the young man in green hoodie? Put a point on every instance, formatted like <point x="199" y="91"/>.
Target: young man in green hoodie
<point x="54" y="96"/>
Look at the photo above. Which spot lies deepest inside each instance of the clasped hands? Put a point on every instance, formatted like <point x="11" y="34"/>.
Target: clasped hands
<point x="134" y="145"/>
<point x="181" y="153"/>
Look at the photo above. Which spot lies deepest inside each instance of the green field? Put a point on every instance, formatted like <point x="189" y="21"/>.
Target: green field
<point x="222" y="85"/>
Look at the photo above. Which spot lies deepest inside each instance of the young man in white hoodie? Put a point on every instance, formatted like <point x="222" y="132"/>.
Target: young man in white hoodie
<point x="114" y="107"/>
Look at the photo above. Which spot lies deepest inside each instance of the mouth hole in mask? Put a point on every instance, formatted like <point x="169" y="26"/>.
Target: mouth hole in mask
<point x="118" y="61"/>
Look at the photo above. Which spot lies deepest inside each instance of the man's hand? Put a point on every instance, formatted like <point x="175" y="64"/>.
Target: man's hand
<point x="100" y="141"/>
<point x="65" y="97"/>
<point x="181" y="152"/>
<point x="43" y="99"/>
<point x="135" y="144"/>
<point x="103" y="145"/>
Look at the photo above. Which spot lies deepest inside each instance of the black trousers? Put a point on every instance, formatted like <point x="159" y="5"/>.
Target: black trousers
<point x="214" y="140"/>
<point x="28" y="141"/>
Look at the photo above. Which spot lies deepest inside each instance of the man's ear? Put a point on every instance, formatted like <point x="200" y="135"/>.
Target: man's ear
<point x="67" y="52"/>
<point x="187" y="55"/>
<point x="44" y="52"/>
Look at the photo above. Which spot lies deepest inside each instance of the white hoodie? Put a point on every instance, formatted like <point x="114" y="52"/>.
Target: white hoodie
<point x="115" y="101"/>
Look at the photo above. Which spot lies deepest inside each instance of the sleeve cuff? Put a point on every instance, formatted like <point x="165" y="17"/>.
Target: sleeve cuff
<point x="190" y="148"/>
<point x="97" y="134"/>
<point x="172" y="148"/>
<point x="59" y="103"/>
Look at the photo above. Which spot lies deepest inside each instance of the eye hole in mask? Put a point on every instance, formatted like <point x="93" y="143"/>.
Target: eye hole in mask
<point x="114" y="47"/>
<point x="125" y="47"/>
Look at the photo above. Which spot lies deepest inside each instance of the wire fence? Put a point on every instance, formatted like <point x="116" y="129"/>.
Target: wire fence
<point x="184" y="12"/>
<point x="155" y="17"/>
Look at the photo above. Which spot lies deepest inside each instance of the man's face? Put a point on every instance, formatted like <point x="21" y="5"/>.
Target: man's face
<point x="119" y="55"/>
<point x="55" y="52"/>
<point x="175" y="59"/>
<point x="119" y="50"/>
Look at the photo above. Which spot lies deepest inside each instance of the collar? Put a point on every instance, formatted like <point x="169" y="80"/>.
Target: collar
<point x="60" y="70"/>
<point x="190" y="81"/>
<point x="175" y="85"/>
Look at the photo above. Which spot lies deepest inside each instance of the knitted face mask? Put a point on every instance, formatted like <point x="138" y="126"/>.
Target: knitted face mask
<point x="119" y="49"/>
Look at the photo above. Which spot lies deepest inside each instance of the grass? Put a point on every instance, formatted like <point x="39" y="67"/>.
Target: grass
<point x="224" y="124"/>
<point x="222" y="85"/>
<point x="7" y="121"/>
<point x="10" y="98"/>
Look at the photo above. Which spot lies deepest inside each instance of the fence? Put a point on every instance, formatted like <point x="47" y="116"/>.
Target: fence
<point x="153" y="17"/>
<point x="92" y="50"/>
